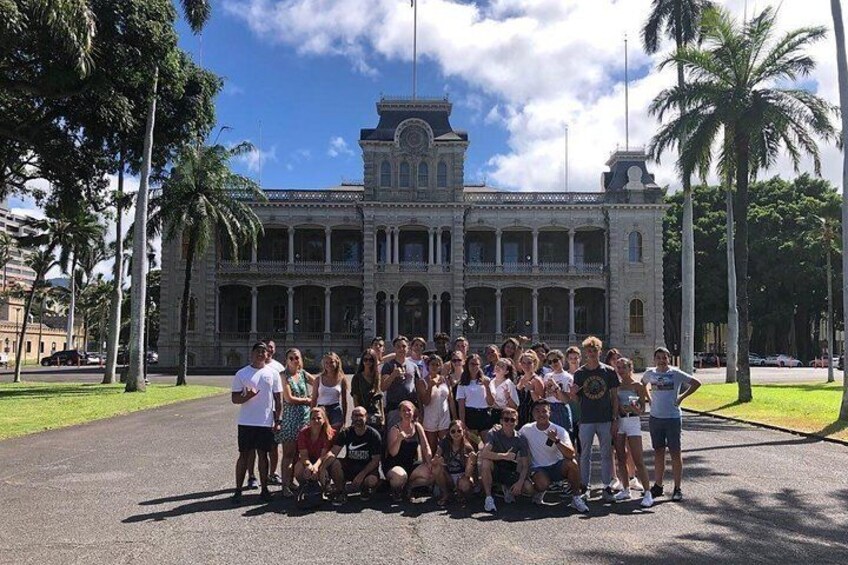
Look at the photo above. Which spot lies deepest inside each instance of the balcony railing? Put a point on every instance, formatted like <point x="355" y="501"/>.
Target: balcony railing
<point x="516" y="267"/>
<point x="413" y="267"/>
<point x="507" y="197"/>
<point x="480" y="268"/>
<point x="265" y="266"/>
<point x="346" y="267"/>
<point x="526" y="267"/>
<point x="233" y="336"/>
<point x="276" y="266"/>
<point x="553" y="267"/>
<point x="589" y="268"/>
<point x="314" y="195"/>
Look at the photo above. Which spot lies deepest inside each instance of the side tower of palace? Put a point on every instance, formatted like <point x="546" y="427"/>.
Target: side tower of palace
<point x="415" y="250"/>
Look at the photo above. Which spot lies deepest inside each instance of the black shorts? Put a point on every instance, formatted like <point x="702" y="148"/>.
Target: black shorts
<point x="505" y="472"/>
<point x="351" y="469"/>
<point x="478" y="419"/>
<point x="255" y="437"/>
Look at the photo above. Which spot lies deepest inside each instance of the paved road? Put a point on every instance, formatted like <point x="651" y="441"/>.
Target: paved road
<point x="153" y="487"/>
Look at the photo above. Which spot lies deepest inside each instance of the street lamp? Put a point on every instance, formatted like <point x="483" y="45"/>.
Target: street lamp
<point x="464" y="321"/>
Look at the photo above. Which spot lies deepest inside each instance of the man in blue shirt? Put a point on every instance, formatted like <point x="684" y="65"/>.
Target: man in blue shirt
<point x="665" y="383"/>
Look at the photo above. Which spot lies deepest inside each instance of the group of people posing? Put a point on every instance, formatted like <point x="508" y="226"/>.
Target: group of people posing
<point x="515" y="422"/>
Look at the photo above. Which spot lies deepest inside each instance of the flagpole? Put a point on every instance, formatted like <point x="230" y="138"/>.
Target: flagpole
<point x="414" y="48"/>
<point x="626" y="100"/>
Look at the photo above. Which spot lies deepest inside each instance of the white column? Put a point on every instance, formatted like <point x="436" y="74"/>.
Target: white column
<point x="606" y="247"/>
<point x="291" y="245"/>
<point x="388" y="315"/>
<point x="571" y="294"/>
<point x="439" y="246"/>
<point x="535" y="314"/>
<point x="438" y="316"/>
<point x="254" y="308"/>
<point x="328" y="254"/>
<point x="290" y="312"/>
<point x="395" y="326"/>
<point x="535" y="247"/>
<point x="498" y="321"/>
<point x="396" y="249"/>
<point x="430" y="321"/>
<point x="327" y="293"/>
<point x="253" y="252"/>
<point x="387" y="253"/>
<point x="571" y="248"/>
<point x="498" y="247"/>
<point x="431" y="243"/>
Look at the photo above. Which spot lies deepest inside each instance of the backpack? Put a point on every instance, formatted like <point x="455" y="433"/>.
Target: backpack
<point x="309" y="496"/>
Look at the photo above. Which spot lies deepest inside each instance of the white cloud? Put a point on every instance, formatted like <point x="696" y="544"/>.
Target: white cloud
<point x="256" y="159"/>
<point x="232" y="89"/>
<point x="338" y="147"/>
<point x="544" y="62"/>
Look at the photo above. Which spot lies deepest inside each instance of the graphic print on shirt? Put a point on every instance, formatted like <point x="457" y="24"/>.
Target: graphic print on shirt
<point x="664" y="381"/>
<point x="595" y="387"/>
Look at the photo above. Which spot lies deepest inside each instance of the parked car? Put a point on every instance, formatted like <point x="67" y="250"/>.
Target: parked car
<point x="756" y="360"/>
<point x="124" y="357"/>
<point x="66" y="357"/>
<point x="782" y="360"/>
<point x="821" y="362"/>
<point x="708" y="359"/>
<point x="94" y="358"/>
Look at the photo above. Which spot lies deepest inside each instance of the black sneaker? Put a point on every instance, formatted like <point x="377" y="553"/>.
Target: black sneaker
<point x="657" y="490"/>
<point x="236" y="498"/>
<point x="265" y="496"/>
<point x="365" y="494"/>
<point x="608" y="495"/>
<point x="677" y="495"/>
<point x="340" y="499"/>
<point x="252" y="483"/>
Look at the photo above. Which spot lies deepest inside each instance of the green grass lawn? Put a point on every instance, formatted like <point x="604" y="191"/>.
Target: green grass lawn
<point x="808" y="407"/>
<point x="32" y="407"/>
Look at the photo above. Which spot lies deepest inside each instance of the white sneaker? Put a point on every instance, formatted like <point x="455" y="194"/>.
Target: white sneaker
<point x="647" y="500"/>
<point x="623" y="495"/>
<point x="636" y="484"/>
<point x="539" y="498"/>
<point x="616" y="484"/>
<point x="489" y="505"/>
<point x="578" y="504"/>
<point x="508" y="497"/>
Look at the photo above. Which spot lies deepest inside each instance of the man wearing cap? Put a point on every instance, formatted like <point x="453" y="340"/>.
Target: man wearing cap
<point x="257" y="390"/>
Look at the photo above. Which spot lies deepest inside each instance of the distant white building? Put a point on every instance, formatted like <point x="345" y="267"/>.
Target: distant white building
<point x="414" y="250"/>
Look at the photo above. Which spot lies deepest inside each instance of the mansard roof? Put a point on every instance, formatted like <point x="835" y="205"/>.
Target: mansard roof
<point x="394" y="111"/>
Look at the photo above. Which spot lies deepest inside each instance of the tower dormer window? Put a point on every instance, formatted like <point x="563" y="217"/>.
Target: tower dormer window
<point x="404" y="174"/>
<point x="442" y="175"/>
<point x="423" y="175"/>
<point x="385" y="174"/>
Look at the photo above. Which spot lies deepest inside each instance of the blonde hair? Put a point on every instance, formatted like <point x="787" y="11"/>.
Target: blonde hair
<point x="532" y="356"/>
<point x="592" y="341"/>
<point x="325" y="426"/>
<point x="299" y="362"/>
<point x="337" y="362"/>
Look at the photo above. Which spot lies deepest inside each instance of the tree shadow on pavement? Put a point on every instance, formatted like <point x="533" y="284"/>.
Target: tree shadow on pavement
<point x="833" y="428"/>
<point x="756" y="527"/>
<point x="203" y="502"/>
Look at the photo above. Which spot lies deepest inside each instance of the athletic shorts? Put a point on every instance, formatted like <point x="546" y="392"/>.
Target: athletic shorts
<point x="630" y="426"/>
<point x="255" y="437"/>
<point x="553" y="472"/>
<point x="665" y="433"/>
<point x="505" y="472"/>
<point x="351" y="469"/>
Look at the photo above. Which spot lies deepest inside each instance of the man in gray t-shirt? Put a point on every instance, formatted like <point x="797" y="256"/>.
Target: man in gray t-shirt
<point x="397" y="380"/>
<point x="505" y="459"/>
<point x="665" y="383"/>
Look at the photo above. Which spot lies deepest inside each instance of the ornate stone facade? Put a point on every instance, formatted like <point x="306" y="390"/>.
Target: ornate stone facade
<point x="414" y="250"/>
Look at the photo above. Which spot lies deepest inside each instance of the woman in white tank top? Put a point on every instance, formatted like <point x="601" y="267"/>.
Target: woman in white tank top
<point x="434" y="394"/>
<point x="330" y="390"/>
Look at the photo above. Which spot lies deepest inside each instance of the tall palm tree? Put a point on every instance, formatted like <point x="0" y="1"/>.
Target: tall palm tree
<point x="202" y="198"/>
<point x="197" y="13"/>
<point x="680" y="20"/>
<point x="7" y="243"/>
<point x="730" y="92"/>
<point x="842" y="69"/>
<point x="40" y="260"/>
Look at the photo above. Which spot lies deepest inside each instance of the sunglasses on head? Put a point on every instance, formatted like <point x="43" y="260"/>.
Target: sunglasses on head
<point x="508" y="419"/>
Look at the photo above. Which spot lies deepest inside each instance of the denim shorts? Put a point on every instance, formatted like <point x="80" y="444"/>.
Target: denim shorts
<point x="665" y="433"/>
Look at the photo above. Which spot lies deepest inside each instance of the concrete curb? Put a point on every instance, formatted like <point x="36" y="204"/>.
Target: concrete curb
<point x="767" y="426"/>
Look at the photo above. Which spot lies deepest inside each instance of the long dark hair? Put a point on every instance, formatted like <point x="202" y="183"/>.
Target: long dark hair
<point x="465" y="379"/>
<point x="375" y="376"/>
<point x="510" y="368"/>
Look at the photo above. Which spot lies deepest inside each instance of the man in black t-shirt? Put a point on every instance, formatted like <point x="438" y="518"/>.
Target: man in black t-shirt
<point x="596" y="386"/>
<point x="363" y="447"/>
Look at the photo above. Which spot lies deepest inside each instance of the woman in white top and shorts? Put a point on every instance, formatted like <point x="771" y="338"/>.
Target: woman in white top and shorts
<point x="503" y="389"/>
<point x="632" y="397"/>
<point x="330" y="390"/>
<point x="475" y="398"/>
<point x="436" y="398"/>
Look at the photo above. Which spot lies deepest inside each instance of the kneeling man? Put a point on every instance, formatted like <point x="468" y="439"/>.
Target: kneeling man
<point x="363" y="447"/>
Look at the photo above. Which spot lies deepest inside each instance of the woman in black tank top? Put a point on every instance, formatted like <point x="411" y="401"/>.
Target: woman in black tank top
<point x="400" y="462"/>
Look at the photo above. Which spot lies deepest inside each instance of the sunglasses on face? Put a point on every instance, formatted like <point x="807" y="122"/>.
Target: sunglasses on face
<point x="509" y="420"/>
<point x="456" y="360"/>
<point x="474" y="364"/>
<point x="294" y="358"/>
<point x="455" y="431"/>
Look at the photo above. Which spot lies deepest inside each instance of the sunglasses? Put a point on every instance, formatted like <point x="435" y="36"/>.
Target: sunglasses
<point x="366" y="359"/>
<point x="456" y="360"/>
<point x="509" y="420"/>
<point x="554" y="360"/>
<point x="474" y="364"/>
<point x="455" y="431"/>
<point x="294" y="358"/>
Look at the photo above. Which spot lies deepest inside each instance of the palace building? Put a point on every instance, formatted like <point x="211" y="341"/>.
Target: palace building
<point x="415" y="250"/>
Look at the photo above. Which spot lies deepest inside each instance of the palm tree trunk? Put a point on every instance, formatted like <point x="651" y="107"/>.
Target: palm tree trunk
<point x="135" y="376"/>
<point x="112" y="338"/>
<point x="24" y="323"/>
<point x="73" y="287"/>
<point x="687" y="262"/>
<point x="40" y="330"/>
<point x="842" y="67"/>
<point x="732" y="311"/>
<point x="184" y="306"/>
<point x="830" y="378"/>
<point x="742" y="145"/>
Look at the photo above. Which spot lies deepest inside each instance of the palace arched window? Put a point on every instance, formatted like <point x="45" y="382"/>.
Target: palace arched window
<point x="423" y="175"/>
<point x="634" y="247"/>
<point x="637" y="316"/>
<point x="442" y="175"/>
<point x="385" y="174"/>
<point x="404" y="175"/>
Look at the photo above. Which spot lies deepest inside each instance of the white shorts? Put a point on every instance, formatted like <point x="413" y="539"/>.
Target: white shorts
<point x="435" y="420"/>
<point x="630" y="426"/>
